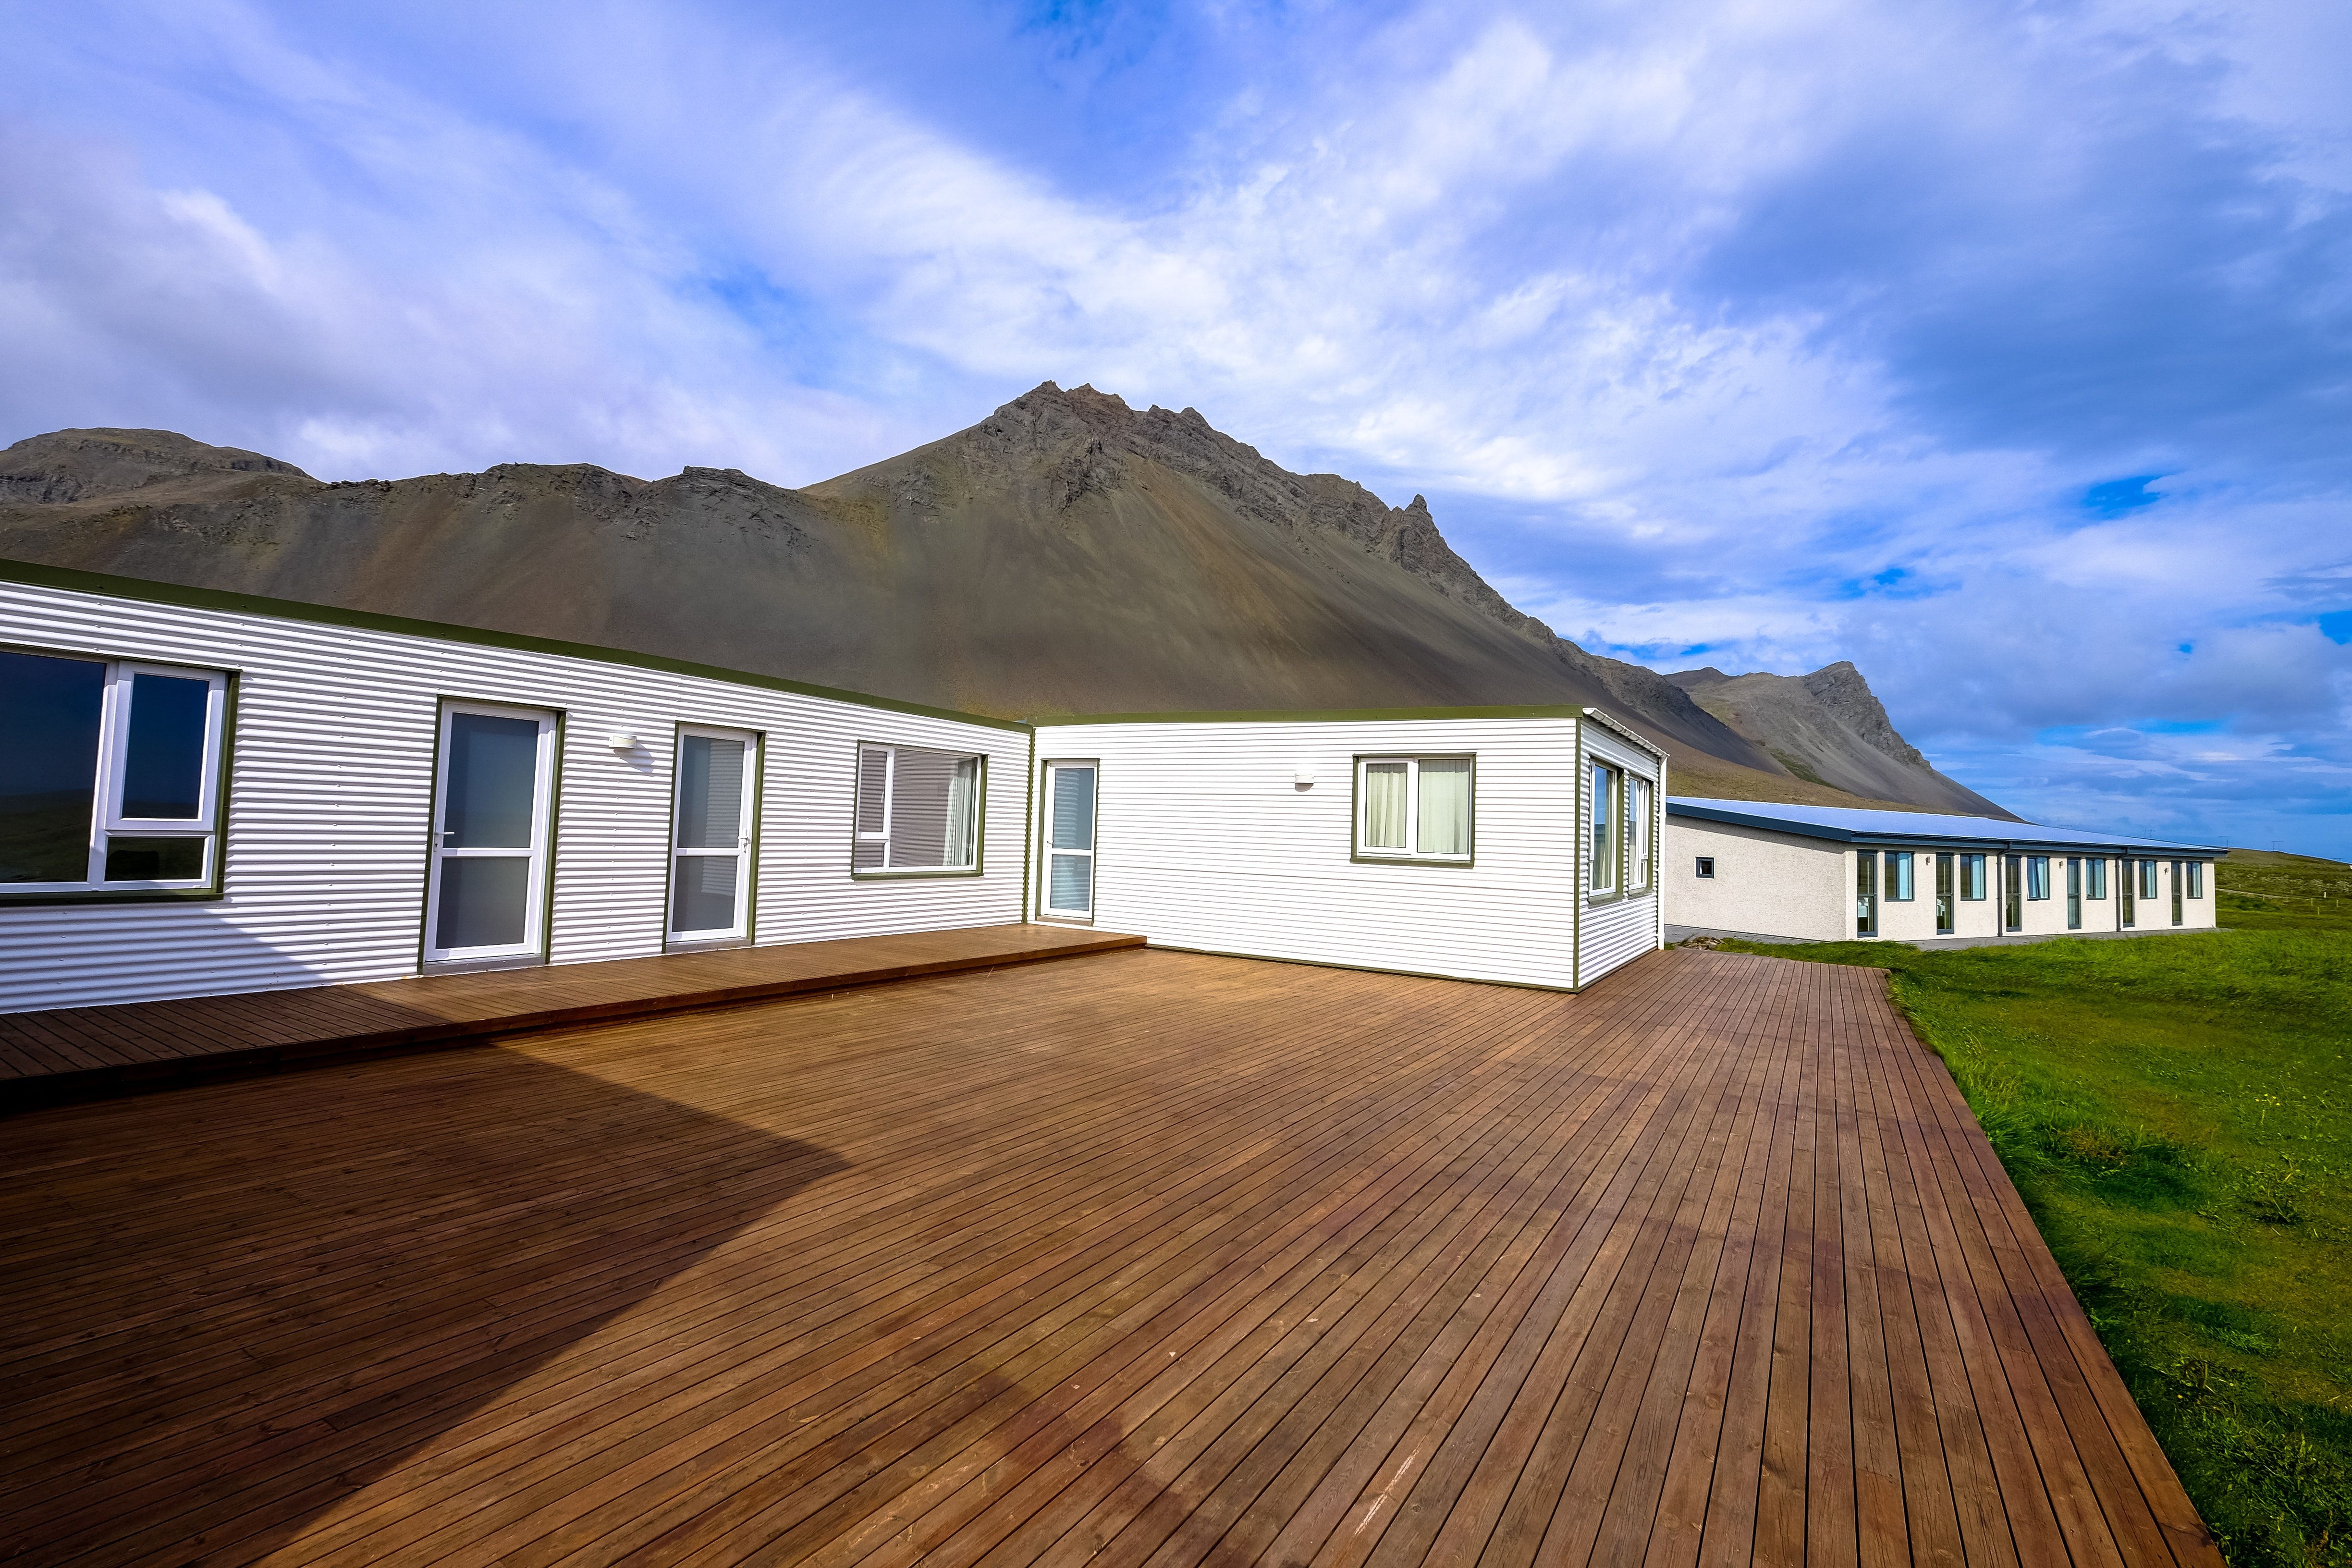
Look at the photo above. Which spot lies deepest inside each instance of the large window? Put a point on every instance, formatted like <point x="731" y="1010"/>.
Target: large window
<point x="2148" y="879"/>
<point x="2037" y="876"/>
<point x="2096" y="871"/>
<point x="918" y="811"/>
<point x="1972" y="878"/>
<point x="109" y="775"/>
<point x="1413" y="809"/>
<point x="1604" y="828"/>
<point x="2197" y="879"/>
<point x="1637" y="833"/>
<point x="1899" y="884"/>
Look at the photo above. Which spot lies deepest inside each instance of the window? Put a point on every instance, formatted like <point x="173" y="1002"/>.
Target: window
<point x="1604" y="828"/>
<point x="918" y="811"/>
<point x="2197" y="879"/>
<point x="1413" y="809"/>
<point x="2097" y="871"/>
<point x="2148" y="879"/>
<point x="1706" y="866"/>
<point x="1898" y="876"/>
<point x="1637" y="829"/>
<point x="2037" y="876"/>
<point x="1972" y="878"/>
<point x="109" y="775"/>
<point x="1069" y="872"/>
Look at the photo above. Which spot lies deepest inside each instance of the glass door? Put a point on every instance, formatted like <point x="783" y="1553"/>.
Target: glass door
<point x="2178" y="880"/>
<point x="1865" y="892"/>
<point x="1943" y="895"/>
<point x="2012" y="893"/>
<point x="2127" y="888"/>
<point x="1070" y="840"/>
<point x="488" y="883"/>
<point x="2074" y="893"/>
<point x="710" y="852"/>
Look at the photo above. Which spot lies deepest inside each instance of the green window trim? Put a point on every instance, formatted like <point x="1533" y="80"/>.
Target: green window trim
<point x="1358" y="805"/>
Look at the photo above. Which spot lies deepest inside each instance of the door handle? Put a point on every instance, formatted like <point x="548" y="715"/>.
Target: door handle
<point x="448" y="839"/>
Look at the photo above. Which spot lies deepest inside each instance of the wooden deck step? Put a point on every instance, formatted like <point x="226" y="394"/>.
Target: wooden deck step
<point x="69" y="1054"/>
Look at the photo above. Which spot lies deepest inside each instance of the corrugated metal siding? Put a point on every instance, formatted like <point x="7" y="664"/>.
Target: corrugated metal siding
<point x="1205" y="841"/>
<point x="1617" y="932"/>
<point x="331" y="790"/>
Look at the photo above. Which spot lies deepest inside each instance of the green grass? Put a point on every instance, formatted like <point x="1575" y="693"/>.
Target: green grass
<point x="2174" y="1109"/>
<point x="2259" y="890"/>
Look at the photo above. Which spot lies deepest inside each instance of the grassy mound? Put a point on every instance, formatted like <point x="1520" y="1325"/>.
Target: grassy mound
<point x="2173" y="1110"/>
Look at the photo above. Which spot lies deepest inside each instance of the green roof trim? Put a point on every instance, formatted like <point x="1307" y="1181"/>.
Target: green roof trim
<point x="72" y="579"/>
<point x="1316" y="715"/>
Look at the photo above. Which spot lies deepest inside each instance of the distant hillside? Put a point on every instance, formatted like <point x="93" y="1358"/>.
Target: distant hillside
<point x="1829" y="728"/>
<point x="1066" y="554"/>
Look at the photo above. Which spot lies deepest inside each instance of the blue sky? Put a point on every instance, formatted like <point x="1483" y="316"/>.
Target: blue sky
<point x="2005" y="350"/>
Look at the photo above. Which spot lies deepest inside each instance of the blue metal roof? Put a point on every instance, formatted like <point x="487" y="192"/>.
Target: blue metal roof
<point x="1850" y="826"/>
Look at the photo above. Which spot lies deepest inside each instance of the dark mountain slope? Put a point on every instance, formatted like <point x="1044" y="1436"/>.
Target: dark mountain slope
<point x="1066" y="554"/>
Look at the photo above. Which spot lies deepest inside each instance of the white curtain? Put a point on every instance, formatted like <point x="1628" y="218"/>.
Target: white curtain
<point x="1384" y="806"/>
<point x="1604" y="829"/>
<point x="1445" y="806"/>
<point x="963" y="793"/>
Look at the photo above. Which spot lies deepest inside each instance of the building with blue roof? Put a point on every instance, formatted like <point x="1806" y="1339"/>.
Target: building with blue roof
<point x="1819" y="873"/>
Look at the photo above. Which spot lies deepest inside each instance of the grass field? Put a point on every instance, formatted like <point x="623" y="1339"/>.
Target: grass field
<point x="2176" y="1111"/>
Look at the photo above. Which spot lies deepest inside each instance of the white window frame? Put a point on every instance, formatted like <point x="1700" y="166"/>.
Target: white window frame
<point x="540" y="851"/>
<point x="746" y="864"/>
<point x="1641" y="843"/>
<point x="890" y="807"/>
<point x="1047" y="850"/>
<point x="1412" y="850"/>
<point x="113" y="759"/>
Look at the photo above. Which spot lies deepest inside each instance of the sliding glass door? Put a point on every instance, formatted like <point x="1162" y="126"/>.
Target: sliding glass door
<point x="487" y="887"/>
<point x="711" y="855"/>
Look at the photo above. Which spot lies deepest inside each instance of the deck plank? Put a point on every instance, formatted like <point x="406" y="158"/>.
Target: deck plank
<point x="1155" y="1259"/>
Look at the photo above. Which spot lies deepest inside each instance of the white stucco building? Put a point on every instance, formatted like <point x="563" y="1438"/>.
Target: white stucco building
<point x="1739" y="868"/>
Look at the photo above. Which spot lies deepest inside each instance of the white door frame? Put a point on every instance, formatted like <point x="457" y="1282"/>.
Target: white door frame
<point x="534" y="937"/>
<point x="746" y="820"/>
<point x="1046" y="850"/>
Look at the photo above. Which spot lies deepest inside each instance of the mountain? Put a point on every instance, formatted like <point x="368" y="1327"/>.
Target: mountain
<point x="1066" y="554"/>
<point x="1829" y="728"/>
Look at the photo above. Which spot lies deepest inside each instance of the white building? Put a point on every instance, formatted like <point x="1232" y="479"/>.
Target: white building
<point x="1508" y="844"/>
<point x="204" y="794"/>
<point x="1738" y="867"/>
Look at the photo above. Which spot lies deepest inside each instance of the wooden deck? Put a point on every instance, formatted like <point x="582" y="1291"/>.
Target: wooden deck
<point x="77" y="1052"/>
<point x="1152" y="1258"/>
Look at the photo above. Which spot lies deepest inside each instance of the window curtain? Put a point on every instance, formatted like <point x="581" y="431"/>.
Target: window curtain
<point x="1384" y="806"/>
<point x="963" y="824"/>
<point x="1604" y="829"/>
<point x="1445" y="806"/>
